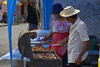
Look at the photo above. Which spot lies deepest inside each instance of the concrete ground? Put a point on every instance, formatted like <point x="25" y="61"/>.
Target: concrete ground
<point x="4" y="45"/>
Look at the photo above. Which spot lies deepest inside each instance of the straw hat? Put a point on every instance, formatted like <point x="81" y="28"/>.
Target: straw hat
<point x="69" y="11"/>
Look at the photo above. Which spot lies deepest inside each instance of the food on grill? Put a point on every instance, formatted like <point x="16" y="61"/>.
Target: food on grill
<point x="40" y="48"/>
<point x="44" y="55"/>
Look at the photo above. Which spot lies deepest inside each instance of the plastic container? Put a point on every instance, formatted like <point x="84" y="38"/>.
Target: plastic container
<point x="67" y="65"/>
<point x="93" y="43"/>
<point x="42" y="33"/>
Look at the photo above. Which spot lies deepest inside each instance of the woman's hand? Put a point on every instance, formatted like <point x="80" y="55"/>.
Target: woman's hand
<point x="45" y="38"/>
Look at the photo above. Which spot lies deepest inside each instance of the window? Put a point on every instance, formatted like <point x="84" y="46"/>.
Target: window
<point x="0" y="5"/>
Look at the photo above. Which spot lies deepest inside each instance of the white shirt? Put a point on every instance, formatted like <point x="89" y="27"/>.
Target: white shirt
<point x="77" y="36"/>
<point x="0" y="18"/>
<point x="60" y="27"/>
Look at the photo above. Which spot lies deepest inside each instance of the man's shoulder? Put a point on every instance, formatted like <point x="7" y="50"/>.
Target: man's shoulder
<point x="81" y="23"/>
<point x="29" y="6"/>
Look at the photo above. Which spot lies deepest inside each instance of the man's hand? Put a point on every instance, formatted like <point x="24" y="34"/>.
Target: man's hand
<point x="38" y="17"/>
<point x="84" y="49"/>
<point x="28" y="2"/>
<point x="78" y="60"/>
<point x="62" y="42"/>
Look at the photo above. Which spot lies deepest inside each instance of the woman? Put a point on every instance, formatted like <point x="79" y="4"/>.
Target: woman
<point x="59" y="31"/>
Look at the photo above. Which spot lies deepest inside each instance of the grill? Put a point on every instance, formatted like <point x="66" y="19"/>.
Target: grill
<point x="25" y="49"/>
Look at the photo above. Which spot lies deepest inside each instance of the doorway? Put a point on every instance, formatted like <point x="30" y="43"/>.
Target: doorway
<point x="22" y="9"/>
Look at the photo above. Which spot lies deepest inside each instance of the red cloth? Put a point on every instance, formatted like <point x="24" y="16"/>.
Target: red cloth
<point x="14" y="14"/>
<point x="60" y="50"/>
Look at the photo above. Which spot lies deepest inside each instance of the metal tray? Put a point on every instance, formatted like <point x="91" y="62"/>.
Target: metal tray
<point x="43" y="62"/>
<point x="43" y="51"/>
<point x="40" y="42"/>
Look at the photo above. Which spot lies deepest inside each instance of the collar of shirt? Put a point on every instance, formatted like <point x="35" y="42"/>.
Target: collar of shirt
<point x="76" y="22"/>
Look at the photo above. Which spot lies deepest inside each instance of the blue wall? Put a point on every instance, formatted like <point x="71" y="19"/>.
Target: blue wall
<point x="90" y="14"/>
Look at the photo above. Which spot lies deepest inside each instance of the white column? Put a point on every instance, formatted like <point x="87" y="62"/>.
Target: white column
<point x="16" y="17"/>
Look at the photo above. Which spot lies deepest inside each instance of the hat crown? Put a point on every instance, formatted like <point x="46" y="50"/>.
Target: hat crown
<point x="68" y="10"/>
<point x="68" y="7"/>
<point x="56" y="8"/>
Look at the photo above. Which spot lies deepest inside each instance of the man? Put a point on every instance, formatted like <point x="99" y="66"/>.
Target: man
<point x="4" y="17"/>
<point x="78" y="41"/>
<point x="32" y="16"/>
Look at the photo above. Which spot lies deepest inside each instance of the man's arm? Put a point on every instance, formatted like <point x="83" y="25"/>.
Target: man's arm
<point x="29" y="6"/>
<point x="84" y="49"/>
<point x="64" y="41"/>
<point x="39" y="14"/>
<point x="38" y="17"/>
<point x="28" y="2"/>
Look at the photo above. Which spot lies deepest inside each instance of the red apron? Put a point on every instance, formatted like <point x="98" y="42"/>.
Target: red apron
<point x="60" y="50"/>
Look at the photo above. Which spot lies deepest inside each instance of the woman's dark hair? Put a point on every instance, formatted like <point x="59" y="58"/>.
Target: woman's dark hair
<point x="74" y="16"/>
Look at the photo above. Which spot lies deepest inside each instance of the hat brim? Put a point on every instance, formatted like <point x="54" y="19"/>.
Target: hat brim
<point x="68" y="15"/>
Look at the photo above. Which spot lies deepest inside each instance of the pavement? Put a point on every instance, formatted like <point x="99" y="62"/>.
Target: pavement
<point x="4" y="44"/>
<point x="3" y="24"/>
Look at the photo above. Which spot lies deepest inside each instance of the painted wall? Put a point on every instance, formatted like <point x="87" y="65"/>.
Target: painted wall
<point x="4" y="8"/>
<point x="90" y="14"/>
